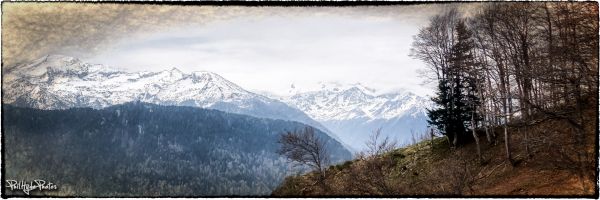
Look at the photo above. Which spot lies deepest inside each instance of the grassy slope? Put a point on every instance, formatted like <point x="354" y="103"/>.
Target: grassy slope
<point x="417" y="170"/>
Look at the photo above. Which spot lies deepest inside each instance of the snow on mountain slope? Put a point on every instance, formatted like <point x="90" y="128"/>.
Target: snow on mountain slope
<point x="354" y="112"/>
<point x="61" y="82"/>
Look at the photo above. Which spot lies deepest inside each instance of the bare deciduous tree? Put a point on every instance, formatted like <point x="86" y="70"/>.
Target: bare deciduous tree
<point x="535" y="61"/>
<point x="304" y="147"/>
<point x="378" y="145"/>
<point x="373" y="170"/>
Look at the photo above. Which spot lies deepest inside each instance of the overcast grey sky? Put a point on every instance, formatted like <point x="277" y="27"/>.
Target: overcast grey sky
<point x="260" y="48"/>
<point x="271" y="53"/>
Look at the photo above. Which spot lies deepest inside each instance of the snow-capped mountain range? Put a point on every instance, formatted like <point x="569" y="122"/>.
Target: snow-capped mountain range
<point x="348" y="113"/>
<point x="61" y="82"/>
<point x="355" y="111"/>
<point x="341" y="102"/>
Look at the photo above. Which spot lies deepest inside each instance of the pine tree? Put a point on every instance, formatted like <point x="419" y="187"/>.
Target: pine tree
<point x="457" y="99"/>
<point x="439" y="117"/>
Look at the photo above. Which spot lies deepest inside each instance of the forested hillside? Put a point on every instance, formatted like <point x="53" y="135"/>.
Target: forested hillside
<point x="510" y="63"/>
<point x="432" y="168"/>
<point x="140" y="149"/>
<point x="516" y="106"/>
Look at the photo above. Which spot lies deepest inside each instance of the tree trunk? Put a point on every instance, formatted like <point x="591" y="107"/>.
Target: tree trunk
<point x="580" y="134"/>
<point x="476" y="138"/>
<point x="507" y="144"/>
<point x="455" y="140"/>
<point x="486" y="115"/>
<point x="506" y="105"/>
<point x="506" y="136"/>
<point x="486" y="121"/>
<point x="526" y="142"/>
<point x="431" y="135"/>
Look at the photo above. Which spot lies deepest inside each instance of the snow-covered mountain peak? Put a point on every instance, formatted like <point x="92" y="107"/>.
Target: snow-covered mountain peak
<point x="355" y="111"/>
<point x="55" y="63"/>
<point x="56" y="60"/>
<point x="339" y="87"/>
<point x="342" y="102"/>
<point x="210" y="79"/>
<point x="355" y="93"/>
<point x="57" y="81"/>
<point x="174" y="73"/>
<point x="364" y="89"/>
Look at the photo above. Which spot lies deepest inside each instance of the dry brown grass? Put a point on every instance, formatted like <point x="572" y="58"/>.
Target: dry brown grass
<point x="551" y="169"/>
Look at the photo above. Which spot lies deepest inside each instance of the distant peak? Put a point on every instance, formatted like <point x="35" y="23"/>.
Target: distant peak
<point x="207" y="74"/>
<point x="53" y="62"/>
<point x="363" y="88"/>
<point x="199" y="73"/>
<point x="56" y="58"/>
<point x="217" y="79"/>
<point x="339" y="87"/>
<point x="293" y="90"/>
<point x="331" y="85"/>
<point x="70" y="67"/>
<point x="355" y="91"/>
<point x="174" y="69"/>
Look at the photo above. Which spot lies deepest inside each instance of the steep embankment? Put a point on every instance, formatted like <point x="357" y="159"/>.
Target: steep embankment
<point x="549" y="165"/>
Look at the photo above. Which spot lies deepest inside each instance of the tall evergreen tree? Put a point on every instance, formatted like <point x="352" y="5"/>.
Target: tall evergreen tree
<point x="440" y="117"/>
<point x="457" y="97"/>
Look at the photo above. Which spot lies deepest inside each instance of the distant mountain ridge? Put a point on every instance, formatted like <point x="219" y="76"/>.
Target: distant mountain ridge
<point x="142" y="149"/>
<point x="61" y="82"/>
<point x="354" y="112"/>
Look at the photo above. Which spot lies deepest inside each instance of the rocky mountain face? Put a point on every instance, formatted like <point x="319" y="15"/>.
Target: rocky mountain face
<point x="354" y="112"/>
<point x="61" y="82"/>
